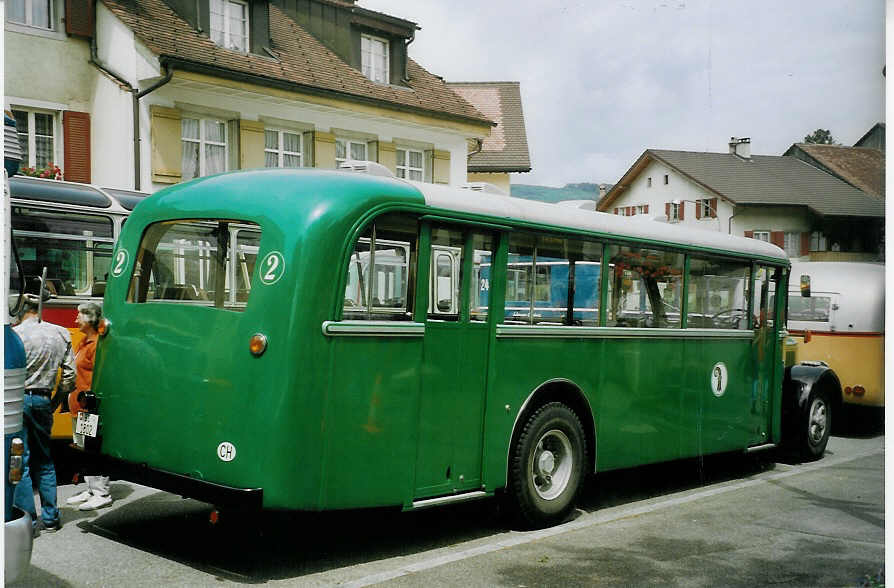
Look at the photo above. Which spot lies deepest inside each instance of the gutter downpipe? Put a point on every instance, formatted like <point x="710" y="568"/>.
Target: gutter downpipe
<point x="135" y="93"/>
<point x="729" y="224"/>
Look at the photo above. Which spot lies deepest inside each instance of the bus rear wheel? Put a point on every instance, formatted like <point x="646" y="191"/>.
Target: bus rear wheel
<point x="816" y="425"/>
<point x="547" y="466"/>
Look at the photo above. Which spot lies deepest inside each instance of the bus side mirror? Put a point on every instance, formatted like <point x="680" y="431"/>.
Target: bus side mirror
<point x="805" y="285"/>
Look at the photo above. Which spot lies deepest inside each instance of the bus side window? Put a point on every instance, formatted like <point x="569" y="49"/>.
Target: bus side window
<point x="479" y="285"/>
<point x="381" y="270"/>
<point x="765" y="296"/>
<point x="645" y="288"/>
<point x="75" y="248"/>
<point x="446" y="269"/>
<point x="717" y="295"/>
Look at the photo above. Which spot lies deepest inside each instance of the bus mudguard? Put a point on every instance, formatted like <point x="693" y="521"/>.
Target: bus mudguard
<point x="811" y="396"/>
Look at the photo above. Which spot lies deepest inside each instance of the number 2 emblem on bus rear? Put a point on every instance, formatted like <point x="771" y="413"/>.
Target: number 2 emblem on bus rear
<point x="718" y="379"/>
<point x="273" y="266"/>
<point x="120" y="264"/>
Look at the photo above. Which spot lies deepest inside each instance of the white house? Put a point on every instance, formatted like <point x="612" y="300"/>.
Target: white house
<point x="806" y="211"/>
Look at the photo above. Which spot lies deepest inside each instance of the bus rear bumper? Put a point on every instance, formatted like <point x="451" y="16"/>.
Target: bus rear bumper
<point x="187" y="486"/>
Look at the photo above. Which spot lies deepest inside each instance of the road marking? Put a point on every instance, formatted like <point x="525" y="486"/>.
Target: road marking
<point x="597" y="518"/>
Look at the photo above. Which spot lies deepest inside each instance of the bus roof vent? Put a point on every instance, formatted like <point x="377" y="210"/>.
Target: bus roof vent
<point x="486" y="187"/>
<point x="366" y="167"/>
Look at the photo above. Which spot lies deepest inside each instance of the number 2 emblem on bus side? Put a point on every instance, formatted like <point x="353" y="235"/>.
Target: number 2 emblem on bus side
<point x="273" y="266"/>
<point x="719" y="379"/>
<point x="120" y="264"/>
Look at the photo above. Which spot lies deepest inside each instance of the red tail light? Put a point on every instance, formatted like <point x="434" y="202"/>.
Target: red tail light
<point x="859" y="391"/>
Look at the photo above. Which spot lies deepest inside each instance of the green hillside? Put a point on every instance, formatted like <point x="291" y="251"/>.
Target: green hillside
<point x="581" y="191"/>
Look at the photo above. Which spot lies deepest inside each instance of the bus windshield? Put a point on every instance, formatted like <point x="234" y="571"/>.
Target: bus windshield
<point x="191" y="262"/>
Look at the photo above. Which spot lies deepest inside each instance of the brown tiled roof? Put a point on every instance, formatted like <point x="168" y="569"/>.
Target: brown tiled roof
<point x="861" y="167"/>
<point x="506" y="149"/>
<point x="302" y="62"/>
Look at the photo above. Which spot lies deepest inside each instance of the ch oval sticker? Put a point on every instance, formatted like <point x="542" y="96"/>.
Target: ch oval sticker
<point x="120" y="263"/>
<point x="273" y="266"/>
<point x="719" y="379"/>
<point x="226" y="451"/>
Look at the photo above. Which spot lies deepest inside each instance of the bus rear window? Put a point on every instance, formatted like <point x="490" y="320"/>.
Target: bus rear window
<point x="196" y="262"/>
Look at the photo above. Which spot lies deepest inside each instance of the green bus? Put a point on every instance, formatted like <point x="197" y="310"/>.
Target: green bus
<point x="312" y="340"/>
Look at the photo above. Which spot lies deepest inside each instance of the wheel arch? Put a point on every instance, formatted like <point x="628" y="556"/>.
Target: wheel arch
<point x="800" y="380"/>
<point x="568" y="393"/>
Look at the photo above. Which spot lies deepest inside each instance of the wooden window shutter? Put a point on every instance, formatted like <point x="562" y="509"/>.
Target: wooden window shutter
<point x="167" y="151"/>
<point x="777" y="238"/>
<point x="713" y="204"/>
<point x="682" y="209"/>
<point x="76" y="146"/>
<point x="749" y="234"/>
<point x="79" y="18"/>
<point x="805" y="243"/>
<point x="629" y="211"/>
<point x="616" y="210"/>
<point x="646" y="209"/>
<point x="698" y="209"/>
<point x="667" y="210"/>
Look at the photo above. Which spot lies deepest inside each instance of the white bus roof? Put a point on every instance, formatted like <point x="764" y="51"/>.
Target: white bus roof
<point x="633" y="227"/>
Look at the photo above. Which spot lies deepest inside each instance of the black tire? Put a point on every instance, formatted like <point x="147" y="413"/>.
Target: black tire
<point x="815" y="425"/>
<point x="547" y="466"/>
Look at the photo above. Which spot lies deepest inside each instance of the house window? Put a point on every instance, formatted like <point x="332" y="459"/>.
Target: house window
<point x="675" y="211"/>
<point x="410" y="164"/>
<point x="706" y="210"/>
<point x="34" y="13"/>
<point x="792" y="244"/>
<point x="648" y="182"/>
<point x="642" y="209"/>
<point x="282" y="148"/>
<point x="204" y="143"/>
<point x="374" y="58"/>
<point x="665" y="179"/>
<point x="229" y="24"/>
<point x="818" y="241"/>
<point x="762" y="236"/>
<point x="346" y="149"/>
<point x="37" y="132"/>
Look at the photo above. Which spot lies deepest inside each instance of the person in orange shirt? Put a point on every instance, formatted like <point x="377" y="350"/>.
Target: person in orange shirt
<point x="89" y="314"/>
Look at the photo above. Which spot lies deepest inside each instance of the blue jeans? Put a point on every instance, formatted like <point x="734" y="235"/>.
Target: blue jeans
<point x="38" y="421"/>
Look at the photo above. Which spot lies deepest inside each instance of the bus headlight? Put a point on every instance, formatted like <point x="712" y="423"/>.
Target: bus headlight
<point x="257" y="344"/>
<point x="103" y="327"/>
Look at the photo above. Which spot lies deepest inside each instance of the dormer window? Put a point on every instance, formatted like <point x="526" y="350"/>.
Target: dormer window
<point x="229" y="24"/>
<point x="374" y="58"/>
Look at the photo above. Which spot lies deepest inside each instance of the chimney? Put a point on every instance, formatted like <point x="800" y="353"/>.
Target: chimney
<point x="740" y="147"/>
<point x="602" y="191"/>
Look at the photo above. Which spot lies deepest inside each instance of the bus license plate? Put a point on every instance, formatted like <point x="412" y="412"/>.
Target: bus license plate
<point x="87" y="424"/>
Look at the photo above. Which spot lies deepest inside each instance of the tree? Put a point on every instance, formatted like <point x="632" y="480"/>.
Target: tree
<point x="821" y="137"/>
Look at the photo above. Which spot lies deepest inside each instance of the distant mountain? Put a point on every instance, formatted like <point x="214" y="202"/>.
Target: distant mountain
<point x="580" y="191"/>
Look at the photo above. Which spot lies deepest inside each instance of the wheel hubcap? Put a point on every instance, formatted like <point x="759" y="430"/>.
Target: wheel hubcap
<point x="816" y="426"/>
<point x="552" y="464"/>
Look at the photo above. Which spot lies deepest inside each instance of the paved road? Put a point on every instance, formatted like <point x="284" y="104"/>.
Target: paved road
<point x="720" y="521"/>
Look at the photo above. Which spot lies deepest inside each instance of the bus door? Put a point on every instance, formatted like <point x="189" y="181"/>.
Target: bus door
<point x="763" y="351"/>
<point x="455" y="350"/>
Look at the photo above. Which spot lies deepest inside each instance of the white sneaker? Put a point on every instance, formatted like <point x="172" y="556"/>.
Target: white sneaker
<point x="80" y="497"/>
<point x="97" y="501"/>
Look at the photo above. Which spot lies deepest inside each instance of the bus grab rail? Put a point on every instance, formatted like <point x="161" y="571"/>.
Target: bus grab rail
<point x="359" y="328"/>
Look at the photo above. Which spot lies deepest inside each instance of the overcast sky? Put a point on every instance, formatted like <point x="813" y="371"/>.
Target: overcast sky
<point x="603" y="80"/>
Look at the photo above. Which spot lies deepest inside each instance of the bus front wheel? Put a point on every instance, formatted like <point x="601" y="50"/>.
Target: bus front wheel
<point x="816" y="424"/>
<point x="547" y="465"/>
